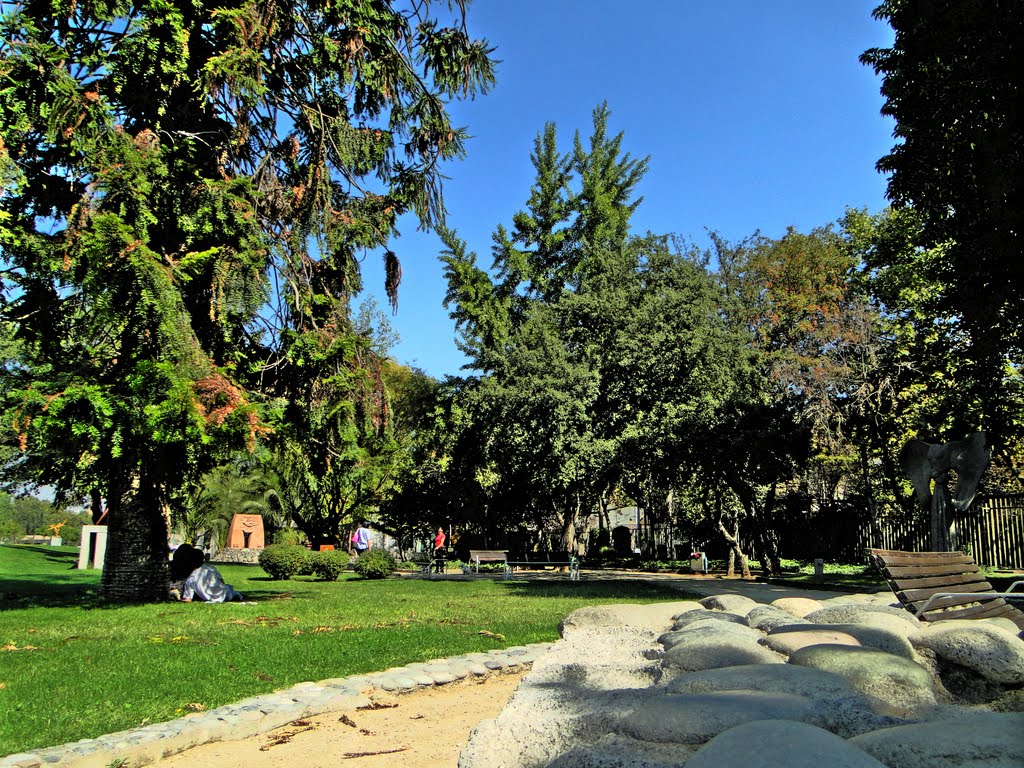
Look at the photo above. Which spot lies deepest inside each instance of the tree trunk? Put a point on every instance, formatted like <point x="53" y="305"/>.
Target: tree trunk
<point x="135" y="568"/>
<point x="733" y="540"/>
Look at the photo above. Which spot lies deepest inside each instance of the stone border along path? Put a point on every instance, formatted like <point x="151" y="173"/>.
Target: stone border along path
<point x="730" y="682"/>
<point x="260" y="714"/>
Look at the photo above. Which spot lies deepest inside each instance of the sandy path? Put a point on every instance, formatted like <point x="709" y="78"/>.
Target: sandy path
<point x="429" y="726"/>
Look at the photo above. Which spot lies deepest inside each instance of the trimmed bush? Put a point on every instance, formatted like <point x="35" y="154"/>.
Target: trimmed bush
<point x="282" y="561"/>
<point x="375" y="564"/>
<point x="329" y="564"/>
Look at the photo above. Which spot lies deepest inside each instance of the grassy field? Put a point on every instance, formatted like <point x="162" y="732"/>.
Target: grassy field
<point x="72" y="667"/>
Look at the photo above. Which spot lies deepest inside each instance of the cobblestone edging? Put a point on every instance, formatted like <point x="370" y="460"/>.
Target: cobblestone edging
<point x="259" y="714"/>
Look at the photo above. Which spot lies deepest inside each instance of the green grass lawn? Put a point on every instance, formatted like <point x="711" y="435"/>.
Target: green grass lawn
<point x="72" y="667"/>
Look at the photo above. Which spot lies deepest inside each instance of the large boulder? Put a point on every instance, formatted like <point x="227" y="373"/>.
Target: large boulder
<point x="864" y="613"/>
<point x="710" y="650"/>
<point x="974" y="740"/>
<point x="989" y="650"/>
<point x="896" y="685"/>
<point x="617" y="751"/>
<point x="768" y="617"/>
<point x="868" y="636"/>
<point x="775" y="743"/>
<point x="843" y="709"/>
<point x="740" y="604"/>
<point x="790" y="641"/>
<point x="683" y="620"/>
<point x="695" y="718"/>
<point x="797" y="606"/>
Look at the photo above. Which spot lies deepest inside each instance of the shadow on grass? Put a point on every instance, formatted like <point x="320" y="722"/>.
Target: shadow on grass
<point x="50" y="591"/>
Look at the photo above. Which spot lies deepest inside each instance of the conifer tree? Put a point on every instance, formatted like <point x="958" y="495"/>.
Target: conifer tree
<point x="187" y="188"/>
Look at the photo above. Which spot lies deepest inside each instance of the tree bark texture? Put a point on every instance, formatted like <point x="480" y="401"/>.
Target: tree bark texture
<point x="135" y="568"/>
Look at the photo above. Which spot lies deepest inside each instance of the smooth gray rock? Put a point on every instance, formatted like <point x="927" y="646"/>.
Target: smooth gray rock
<point x="868" y="636"/>
<point x="709" y="629"/>
<point x="976" y="740"/>
<point x="989" y="650"/>
<point x="767" y="617"/>
<point x="616" y="751"/>
<point x="709" y="650"/>
<point x="780" y="744"/>
<point x="861" y="613"/>
<point x="695" y="718"/>
<point x="898" y="686"/>
<point x="843" y="709"/>
<point x="740" y="604"/>
<point x="683" y="620"/>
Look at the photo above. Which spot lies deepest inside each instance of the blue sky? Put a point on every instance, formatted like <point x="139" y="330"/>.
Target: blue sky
<point x="756" y="115"/>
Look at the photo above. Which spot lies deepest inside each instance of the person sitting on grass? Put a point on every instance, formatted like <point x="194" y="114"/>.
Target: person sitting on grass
<point x="206" y="583"/>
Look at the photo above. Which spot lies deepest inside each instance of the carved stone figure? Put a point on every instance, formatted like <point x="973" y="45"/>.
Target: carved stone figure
<point x="923" y="462"/>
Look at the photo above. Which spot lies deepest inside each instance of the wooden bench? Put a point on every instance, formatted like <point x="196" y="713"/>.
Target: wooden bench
<point x="477" y="556"/>
<point x="935" y="586"/>
<point x="543" y="560"/>
<point x="427" y="563"/>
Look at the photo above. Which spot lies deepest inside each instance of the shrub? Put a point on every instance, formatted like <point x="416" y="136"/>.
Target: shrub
<point x="375" y="564"/>
<point x="329" y="564"/>
<point x="282" y="561"/>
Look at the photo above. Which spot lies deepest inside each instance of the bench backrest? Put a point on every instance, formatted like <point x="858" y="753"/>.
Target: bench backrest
<point x="479" y="555"/>
<point x="916" y="576"/>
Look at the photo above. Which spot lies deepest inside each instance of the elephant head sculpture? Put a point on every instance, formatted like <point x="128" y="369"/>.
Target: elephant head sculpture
<point x="922" y="462"/>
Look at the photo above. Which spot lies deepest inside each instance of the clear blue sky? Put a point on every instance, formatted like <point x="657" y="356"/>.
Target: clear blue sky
<point x="756" y="115"/>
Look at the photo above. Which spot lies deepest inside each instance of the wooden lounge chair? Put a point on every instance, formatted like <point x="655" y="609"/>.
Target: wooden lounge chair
<point x="936" y="586"/>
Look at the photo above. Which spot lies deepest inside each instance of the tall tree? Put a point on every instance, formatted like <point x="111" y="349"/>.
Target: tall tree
<point x="952" y="82"/>
<point x="187" y="188"/>
<point x="536" y="327"/>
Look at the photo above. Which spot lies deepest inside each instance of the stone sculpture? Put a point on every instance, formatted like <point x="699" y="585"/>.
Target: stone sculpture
<point x="923" y="462"/>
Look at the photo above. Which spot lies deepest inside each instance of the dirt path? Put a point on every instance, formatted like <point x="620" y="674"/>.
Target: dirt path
<point x="425" y="729"/>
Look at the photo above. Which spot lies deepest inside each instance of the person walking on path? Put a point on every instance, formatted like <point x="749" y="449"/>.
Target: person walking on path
<point x="439" y="551"/>
<point x="361" y="539"/>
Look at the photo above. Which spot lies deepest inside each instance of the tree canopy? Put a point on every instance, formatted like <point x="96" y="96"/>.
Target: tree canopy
<point x="952" y="83"/>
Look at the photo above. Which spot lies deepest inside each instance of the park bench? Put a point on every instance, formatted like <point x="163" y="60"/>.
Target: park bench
<point x="477" y="556"/>
<point x="427" y="563"/>
<point x="935" y="586"/>
<point x="543" y="560"/>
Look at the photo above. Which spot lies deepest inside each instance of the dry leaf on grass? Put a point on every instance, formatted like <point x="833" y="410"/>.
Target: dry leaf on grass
<point x="488" y="633"/>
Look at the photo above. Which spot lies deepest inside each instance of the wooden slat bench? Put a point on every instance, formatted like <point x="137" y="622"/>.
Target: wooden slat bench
<point x="477" y="556"/>
<point x="540" y="560"/>
<point x="427" y="563"/>
<point x="935" y="586"/>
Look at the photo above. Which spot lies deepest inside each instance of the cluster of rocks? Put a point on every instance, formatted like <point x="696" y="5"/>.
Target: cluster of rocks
<point x="852" y="681"/>
<point x="260" y="714"/>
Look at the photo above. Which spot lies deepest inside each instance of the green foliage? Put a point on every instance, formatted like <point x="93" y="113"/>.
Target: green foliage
<point x="375" y="564"/>
<point x="282" y="561"/>
<point x="329" y="564"/>
<point x="186" y="192"/>
<point x="957" y="165"/>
